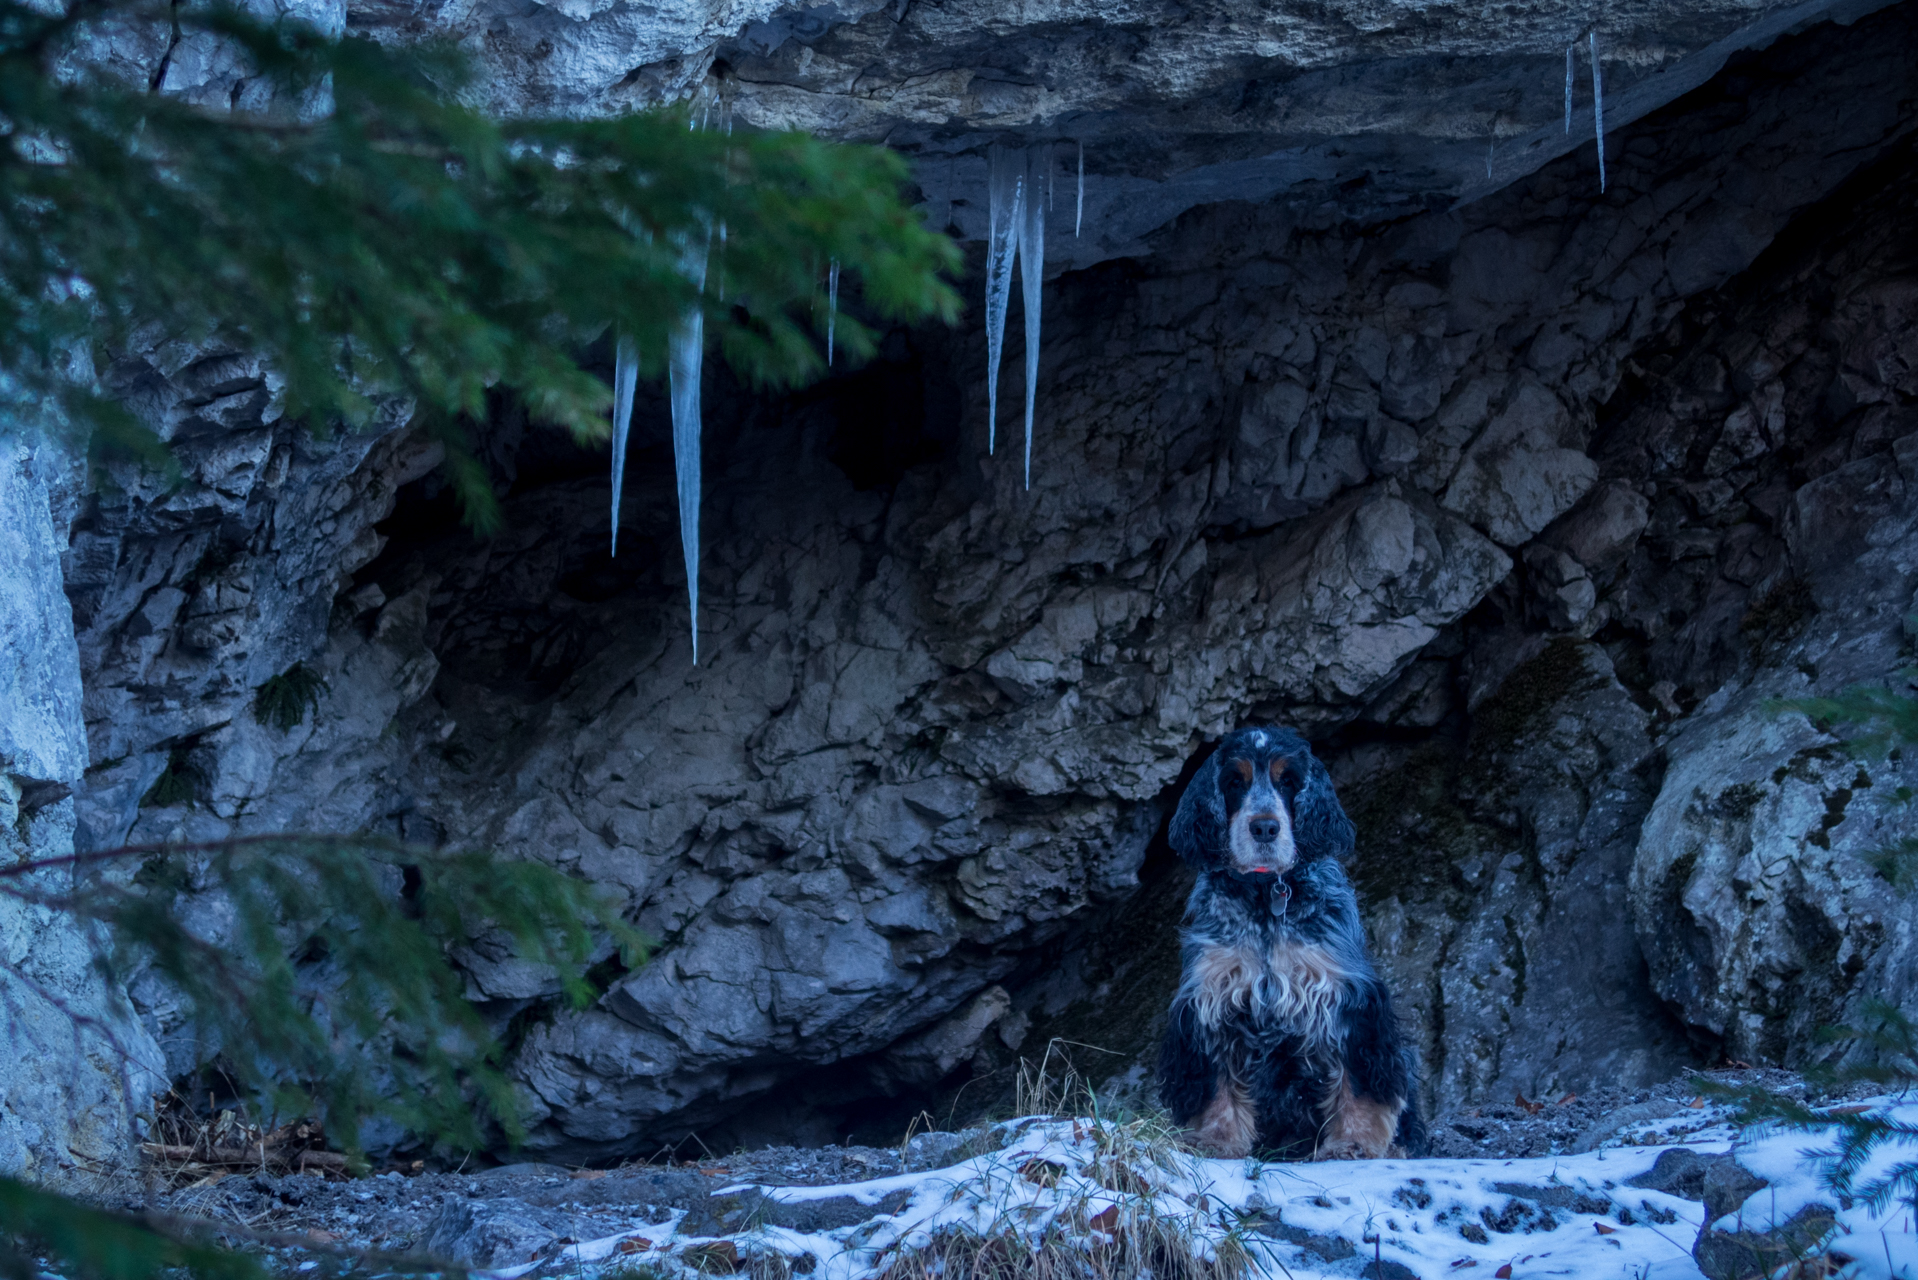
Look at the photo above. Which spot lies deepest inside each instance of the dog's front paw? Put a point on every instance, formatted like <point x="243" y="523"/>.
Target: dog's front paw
<point x="1341" y="1151"/>
<point x="1220" y="1146"/>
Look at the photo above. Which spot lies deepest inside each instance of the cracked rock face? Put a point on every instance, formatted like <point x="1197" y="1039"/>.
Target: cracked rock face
<point x="1504" y="504"/>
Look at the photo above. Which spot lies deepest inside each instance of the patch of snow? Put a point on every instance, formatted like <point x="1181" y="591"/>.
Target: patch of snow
<point x="1882" y="1245"/>
<point x="1570" y="1215"/>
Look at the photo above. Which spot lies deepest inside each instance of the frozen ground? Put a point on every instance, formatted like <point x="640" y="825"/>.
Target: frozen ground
<point x="1109" y="1191"/>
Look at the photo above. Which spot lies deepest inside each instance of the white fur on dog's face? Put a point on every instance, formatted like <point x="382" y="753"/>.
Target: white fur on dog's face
<point x="1257" y="797"/>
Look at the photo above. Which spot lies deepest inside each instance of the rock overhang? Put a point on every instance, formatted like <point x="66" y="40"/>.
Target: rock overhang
<point x="1354" y="110"/>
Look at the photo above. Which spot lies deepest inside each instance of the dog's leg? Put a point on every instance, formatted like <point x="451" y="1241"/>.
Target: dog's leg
<point x="1203" y="1094"/>
<point x="1375" y="1082"/>
<point x="1228" y="1124"/>
<point x="1285" y="1088"/>
<point x="1356" y="1128"/>
<point x="1412" y="1139"/>
<point x="1186" y="1071"/>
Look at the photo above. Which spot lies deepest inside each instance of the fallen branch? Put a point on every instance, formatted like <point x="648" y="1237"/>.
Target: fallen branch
<point x="246" y="1157"/>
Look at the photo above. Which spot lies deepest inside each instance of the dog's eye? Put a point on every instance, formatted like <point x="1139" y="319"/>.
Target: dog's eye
<point x="1238" y="775"/>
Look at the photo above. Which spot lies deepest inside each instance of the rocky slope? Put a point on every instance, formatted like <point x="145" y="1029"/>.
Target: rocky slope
<point x="1523" y="506"/>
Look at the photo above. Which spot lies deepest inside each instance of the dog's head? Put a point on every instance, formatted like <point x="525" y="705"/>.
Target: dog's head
<point x="1261" y="805"/>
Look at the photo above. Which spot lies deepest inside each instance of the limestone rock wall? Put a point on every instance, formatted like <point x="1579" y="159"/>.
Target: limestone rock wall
<point x="75" y="1066"/>
<point x="1748" y="543"/>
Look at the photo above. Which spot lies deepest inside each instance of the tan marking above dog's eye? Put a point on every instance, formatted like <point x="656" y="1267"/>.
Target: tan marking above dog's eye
<point x="1279" y="767"/>
<point x="1244" y="768"/>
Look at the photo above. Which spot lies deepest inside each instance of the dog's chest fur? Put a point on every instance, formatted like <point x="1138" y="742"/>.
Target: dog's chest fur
<point x="1285" y="983"/>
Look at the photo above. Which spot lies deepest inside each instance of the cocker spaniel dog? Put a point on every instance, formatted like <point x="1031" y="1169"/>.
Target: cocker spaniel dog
<point x="1282" y="1037"/>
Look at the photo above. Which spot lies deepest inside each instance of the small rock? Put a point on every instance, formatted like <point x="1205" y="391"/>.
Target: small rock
<point x="1330" y="1248"/>
<point x="1720" y="1182"/>
<point x="936" y="1150"/>
<point x="477" y="1235"/>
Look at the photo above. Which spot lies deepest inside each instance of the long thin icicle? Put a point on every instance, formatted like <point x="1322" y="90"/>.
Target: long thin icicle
<point x="1032" y="270"/>
<point x="1079" y="217"/>
<point x="686" y="357"/>
<point x="625" y="378"/>
<point x="1568" y="84"/>
<point x="832" y="306"/>
<point x="1598" y="112"/>
<point x="1005" y="187"/>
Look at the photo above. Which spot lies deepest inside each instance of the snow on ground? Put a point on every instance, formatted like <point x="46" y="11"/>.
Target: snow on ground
<point x="1081" y="1184"/>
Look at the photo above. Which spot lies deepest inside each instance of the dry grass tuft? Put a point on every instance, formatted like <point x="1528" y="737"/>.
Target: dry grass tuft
<point x="1127" y="1244"/>
<point x="1131" y="1230"/>
<point x="1054" y="1088"/>
<point x="769" y="1264"/>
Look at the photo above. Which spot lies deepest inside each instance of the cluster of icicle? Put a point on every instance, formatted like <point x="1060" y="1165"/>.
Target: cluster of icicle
<point x="1018" y="209"/>
<point x="685" y="362"/>
<point x="1598" y="100"/>
<point x="1019" y="191"/>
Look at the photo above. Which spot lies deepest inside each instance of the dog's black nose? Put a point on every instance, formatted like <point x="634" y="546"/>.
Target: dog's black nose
<point x="1265" y="830"/>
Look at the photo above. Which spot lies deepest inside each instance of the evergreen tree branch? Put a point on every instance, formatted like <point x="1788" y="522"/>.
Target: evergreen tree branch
<point x="94" y="1244"/>
<point x="374" y="239"/>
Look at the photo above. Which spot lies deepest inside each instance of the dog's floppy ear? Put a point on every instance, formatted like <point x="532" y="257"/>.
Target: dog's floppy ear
<point x="1198" y="831"/>
<point x="1322" y="829"/>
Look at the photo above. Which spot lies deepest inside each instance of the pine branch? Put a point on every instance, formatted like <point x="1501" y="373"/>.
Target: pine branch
<point x="1882" y="718"/>
<point x="1887" y="1048"/>
<point x="94" y="1244"/>
<point x="402" y="246"/>
<point x="45" y="1229"/>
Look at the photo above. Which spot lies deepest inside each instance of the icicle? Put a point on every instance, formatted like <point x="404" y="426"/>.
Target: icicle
<point x="1032" y="270"/>
<point x="726" y="127"/>
<point x="1079" y="218"/>
<point x="832" y="306"/>
<point x="625" y="376"/>
<point x="1568" y="84"/>
<point x="1598" y="112"/>
<point x="686" y="350"/>
<point x="1005" y="187"/>
<point x="1490" y="148"/>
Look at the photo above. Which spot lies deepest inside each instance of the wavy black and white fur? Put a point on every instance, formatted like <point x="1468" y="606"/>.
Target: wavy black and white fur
<point x="1282" y="1036"/>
